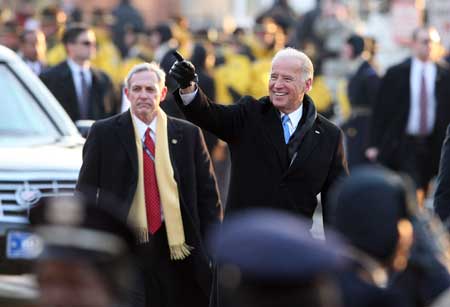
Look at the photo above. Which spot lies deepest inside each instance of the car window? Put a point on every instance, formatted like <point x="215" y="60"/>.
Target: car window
<point x="21" y="115"/>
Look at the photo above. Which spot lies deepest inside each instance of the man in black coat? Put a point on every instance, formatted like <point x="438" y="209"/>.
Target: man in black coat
<point x="283" y="153"/>
<point x="116" y="157"/>
<point x="84" y="92"/>
<point x="412" y="113"/>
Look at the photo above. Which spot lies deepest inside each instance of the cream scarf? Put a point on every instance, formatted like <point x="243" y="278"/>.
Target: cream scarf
<point x="168" y="192"/>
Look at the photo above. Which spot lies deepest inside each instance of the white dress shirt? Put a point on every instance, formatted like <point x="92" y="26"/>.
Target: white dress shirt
<point x="35" y="66"/>
<point x="417" y="69"/>
<point x="142" y="128"/>
<point x="294" y="119"/>
<point x="76" y="69"/>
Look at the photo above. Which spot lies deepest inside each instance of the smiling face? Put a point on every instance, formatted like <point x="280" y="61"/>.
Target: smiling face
<point x="287" y="84"/>
<point x="145" y="92"/>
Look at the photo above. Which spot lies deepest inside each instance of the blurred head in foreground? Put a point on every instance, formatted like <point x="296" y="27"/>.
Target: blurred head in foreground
<point x="268" y="258"/>
<point x="87" y="254"/>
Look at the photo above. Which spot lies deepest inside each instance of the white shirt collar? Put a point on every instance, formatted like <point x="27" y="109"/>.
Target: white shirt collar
<point x="420" y="64"/>
<point x="294" y="117"/>
<point x="142" y="127"/>
<point x="75" y="68"/>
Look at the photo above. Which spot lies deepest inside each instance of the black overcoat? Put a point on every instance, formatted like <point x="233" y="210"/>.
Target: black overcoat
<point x="109" y="174"/>
<point x="266" y="172"/>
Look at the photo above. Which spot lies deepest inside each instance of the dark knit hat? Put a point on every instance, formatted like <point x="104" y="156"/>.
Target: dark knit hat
<point x="273" y="246"/>
<point x="357" y="43"/>
<point x="366" y="208"/>
<point x="164" y="31"/>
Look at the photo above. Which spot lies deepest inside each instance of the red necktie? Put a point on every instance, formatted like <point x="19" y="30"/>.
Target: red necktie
<point x="423" y="119"/>
<point x="152" y="200"/>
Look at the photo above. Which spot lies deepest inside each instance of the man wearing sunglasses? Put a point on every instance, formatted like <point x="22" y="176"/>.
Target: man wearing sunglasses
<point x="84" y="92"/>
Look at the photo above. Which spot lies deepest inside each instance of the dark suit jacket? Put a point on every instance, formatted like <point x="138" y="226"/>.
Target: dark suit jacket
<point x="110" y="171"/>
<point x="261" y="174"/>
<point x="390" y="115"/>
<point x="102" y="102"/>
<point x="442" y="194"/>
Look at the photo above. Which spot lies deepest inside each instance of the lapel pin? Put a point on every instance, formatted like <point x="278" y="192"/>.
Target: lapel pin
<point x="174" y="141"/>
<point x="317" y="131"/>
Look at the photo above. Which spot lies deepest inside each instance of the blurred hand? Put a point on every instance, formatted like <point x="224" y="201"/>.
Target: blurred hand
<point x="372" y="154"/>
<point x="183" y="72"/>
<point x="219" y="152"/>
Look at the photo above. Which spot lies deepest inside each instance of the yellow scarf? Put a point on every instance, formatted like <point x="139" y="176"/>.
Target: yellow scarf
<point x="168" y="192"/>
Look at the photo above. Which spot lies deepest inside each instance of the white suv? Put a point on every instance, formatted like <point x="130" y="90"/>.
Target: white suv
<point x="40" y="147"/>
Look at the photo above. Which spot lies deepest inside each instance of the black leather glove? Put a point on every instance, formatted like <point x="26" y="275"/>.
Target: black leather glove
<point x="234" y="94"/>
<point x="183" y="71"/>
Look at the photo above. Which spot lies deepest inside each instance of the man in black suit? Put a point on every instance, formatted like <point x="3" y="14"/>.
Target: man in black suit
<point x="412" y="113"/>
<point x="157" y="169"/>
<point x="84" y="92"/>
<point x="283" y="154"/>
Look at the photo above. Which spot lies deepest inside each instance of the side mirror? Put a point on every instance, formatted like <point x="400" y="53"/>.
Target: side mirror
<point x="83" y="126"/>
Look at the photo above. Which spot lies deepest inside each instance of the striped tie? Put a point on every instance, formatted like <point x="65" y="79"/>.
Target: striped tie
<point x="152" y="200"/>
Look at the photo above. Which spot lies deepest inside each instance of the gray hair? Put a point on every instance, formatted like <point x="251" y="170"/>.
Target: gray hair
<point x="307" y="65"/>
<point x="152" y="67"/>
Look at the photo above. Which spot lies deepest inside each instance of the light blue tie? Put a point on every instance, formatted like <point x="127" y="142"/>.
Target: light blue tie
<point x="287" y="134"/>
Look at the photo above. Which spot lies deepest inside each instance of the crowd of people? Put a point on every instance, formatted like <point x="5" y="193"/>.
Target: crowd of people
<point x="210" y="155"/>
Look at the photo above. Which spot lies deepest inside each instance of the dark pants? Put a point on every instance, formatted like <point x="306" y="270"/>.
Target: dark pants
<point x="417" y="160"/>
<point x="163" y="282"/>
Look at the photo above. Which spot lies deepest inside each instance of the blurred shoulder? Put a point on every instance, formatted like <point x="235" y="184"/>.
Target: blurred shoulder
<point x="55" y="70"/>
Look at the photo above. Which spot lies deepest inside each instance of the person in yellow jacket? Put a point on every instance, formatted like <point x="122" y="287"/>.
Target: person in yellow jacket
<point x="108" y="56"/>
<point x="270" y="38"/>
<point x="232" y="77"/>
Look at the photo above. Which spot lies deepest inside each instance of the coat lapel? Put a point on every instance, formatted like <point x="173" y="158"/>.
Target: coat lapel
<point x="273" y="131"/>
<point x="125" y="130"/>
<point x="405" y="86"/>
<point x="175" y="136"/>
<point x="309" y="143"/>
<point x="94" y="98"/>
<point x="440" y="84"/>
<point x="306" y="136"/>
<point x="68" y="86"/>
